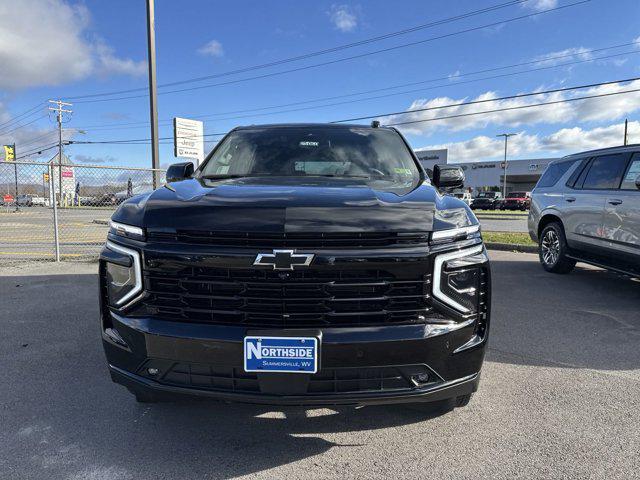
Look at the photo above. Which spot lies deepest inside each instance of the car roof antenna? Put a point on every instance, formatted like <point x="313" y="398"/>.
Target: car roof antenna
<point x="375" y="124"/>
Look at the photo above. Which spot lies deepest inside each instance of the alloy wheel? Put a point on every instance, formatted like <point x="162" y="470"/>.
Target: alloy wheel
<point x="550" y="247"/>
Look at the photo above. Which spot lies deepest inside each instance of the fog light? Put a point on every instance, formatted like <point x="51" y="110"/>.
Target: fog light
<point x="420" y="379"/>
<point x="153" y="371"/>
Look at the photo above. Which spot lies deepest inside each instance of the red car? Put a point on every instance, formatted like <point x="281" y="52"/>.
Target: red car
<point x="517" y="201"/>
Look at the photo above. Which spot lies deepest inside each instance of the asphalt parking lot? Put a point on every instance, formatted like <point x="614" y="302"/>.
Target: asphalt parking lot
<point x="559" y="398"/>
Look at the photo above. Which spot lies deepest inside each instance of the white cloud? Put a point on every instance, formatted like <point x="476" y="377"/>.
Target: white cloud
<point x="109" y="64"/>
<point x="343" y="17"/>
<point x="454" y="76"/>
<point x="212" y="48"/>
<point x="45" y="42"/>
<point x="539" y="5"/>
<point x="595" y="109"/>
<point x="566" y="140"/>
<point x="563" y="56"/>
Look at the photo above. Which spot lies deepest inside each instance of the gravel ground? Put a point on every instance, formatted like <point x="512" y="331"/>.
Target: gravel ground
<point x="559" y="397"/>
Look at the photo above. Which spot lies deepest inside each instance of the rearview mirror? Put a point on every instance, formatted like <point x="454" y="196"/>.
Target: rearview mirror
<point x="448" y="176"/>
<point x="179" y="171"/>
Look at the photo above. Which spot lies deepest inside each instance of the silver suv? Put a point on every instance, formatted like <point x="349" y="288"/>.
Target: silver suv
<point x="586" y="207"/>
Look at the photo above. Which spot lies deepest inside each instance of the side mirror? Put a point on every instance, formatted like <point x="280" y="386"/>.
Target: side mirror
<point x="179" y="171"/>
<point x="448" y="177"/>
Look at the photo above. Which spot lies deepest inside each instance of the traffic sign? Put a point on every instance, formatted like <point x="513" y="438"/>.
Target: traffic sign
<point x="188" y="139"/>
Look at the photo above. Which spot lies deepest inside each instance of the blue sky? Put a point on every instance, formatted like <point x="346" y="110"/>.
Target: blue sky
<point x="65" y="49"/>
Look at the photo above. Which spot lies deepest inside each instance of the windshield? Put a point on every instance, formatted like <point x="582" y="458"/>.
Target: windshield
<point x="375" y="155"/>
<point x="517" y="195"/>
<point x="486" y="195"/>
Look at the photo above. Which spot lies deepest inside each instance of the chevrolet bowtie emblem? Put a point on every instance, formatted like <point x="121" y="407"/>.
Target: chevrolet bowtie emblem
<point x="284" y="259"/>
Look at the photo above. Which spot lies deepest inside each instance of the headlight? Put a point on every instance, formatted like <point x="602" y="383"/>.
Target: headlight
<point x="123" y="272"/>
<point x="128" y="231"/>
<point x="456" y="278"/>
<point x="451" y="234"/>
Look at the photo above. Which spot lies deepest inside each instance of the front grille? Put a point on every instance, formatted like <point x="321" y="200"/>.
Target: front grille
<point x="325" y="382"/>
<point x="301" y="298"/>
<point x="291" y="240"/>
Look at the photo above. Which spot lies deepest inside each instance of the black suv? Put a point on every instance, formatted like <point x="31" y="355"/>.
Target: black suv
<point x="299" y="265"/>
<point x="487" y="201"/>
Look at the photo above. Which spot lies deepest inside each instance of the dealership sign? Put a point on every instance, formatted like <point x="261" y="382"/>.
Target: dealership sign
<point x="188" y="139"/>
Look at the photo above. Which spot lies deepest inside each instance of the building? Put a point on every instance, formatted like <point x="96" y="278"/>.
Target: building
<point x="522" y="175"/>
<point x="65" y="178"/>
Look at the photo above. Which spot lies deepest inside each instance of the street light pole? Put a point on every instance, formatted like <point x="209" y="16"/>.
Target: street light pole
<point x="153" y="95"/>
<point x="504" y="176"/>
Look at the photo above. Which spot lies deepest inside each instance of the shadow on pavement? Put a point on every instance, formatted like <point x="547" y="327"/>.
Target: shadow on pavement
<point x="62" y="415"/>
<point x="589" y="318"/>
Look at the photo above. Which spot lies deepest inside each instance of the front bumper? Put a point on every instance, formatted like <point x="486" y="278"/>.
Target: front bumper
<point x="452" y="356"/>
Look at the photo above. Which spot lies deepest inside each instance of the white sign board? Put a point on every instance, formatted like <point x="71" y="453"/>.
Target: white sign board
<point x="188" y="139"/>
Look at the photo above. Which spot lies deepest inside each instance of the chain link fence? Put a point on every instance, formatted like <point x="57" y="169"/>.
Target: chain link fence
<point x="52" y="210"/>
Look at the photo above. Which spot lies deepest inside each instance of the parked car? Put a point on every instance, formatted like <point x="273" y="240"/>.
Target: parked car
<point x="39" y="201"/>
<point x="487" y="201"/>
<point x="28" y="200"/>
<point x="23" y="200"/>
<point x="298" y="265"/>
<point x="104" y="200"/>
<point x="517" y="201"/>
<point x="586" y="208"/>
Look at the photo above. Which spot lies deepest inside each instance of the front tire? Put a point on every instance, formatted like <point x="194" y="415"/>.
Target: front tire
<point x="552" y="250"/>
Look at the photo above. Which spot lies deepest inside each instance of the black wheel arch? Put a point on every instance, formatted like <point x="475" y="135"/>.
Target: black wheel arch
<point x="546" y="220"/>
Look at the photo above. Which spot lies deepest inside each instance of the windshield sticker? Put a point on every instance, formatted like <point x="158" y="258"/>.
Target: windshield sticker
<point x="307" y="143"/>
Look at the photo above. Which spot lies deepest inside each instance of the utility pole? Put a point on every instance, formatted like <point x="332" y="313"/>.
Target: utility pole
<point x="626" y="122"/>
<point x="504" y="176"/>
<point x="153" y="94"/>
<point x="59" y="113"/>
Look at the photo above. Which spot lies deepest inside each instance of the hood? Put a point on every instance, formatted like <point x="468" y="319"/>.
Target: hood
<point x="290" y="204"/>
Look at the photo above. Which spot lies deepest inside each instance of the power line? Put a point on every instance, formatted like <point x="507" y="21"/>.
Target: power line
<point x="448" y="77"/>
<point x="506" y="109"/>
<point x="44" y="148"/>
<point x="131" y="140"/>
<point x="339" y="60"/>
<point x="474" y="102"/>
<point x="114" y="126"/>
<point x="484" y="112"/>
<point x="409" y="91"/>
<point x="6" y="132"/>
<point x="36" y="139"/>
<point x="315" y="53"/>
<point x="17" y="117"/>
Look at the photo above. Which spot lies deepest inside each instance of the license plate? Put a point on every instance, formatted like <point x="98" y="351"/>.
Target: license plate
<point x="281" y="354"/>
